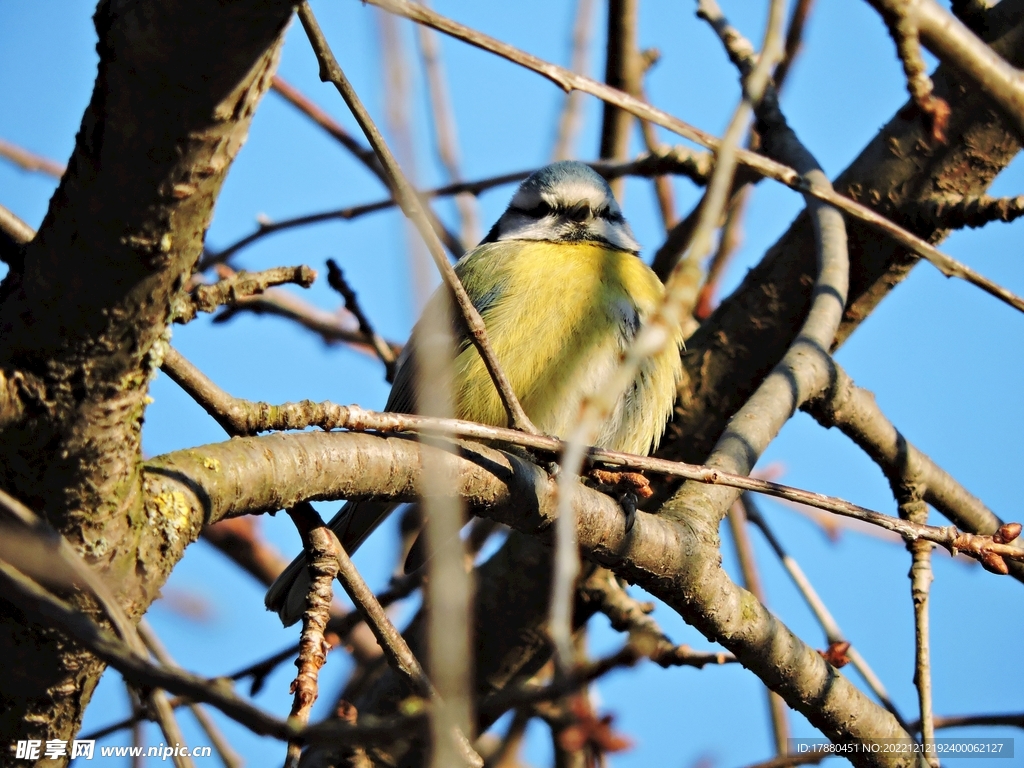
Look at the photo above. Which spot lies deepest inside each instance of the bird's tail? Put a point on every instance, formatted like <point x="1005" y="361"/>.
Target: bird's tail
<point x="353" y="523"/>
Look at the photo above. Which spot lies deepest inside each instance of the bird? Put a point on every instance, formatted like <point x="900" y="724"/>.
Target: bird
<point x="562" y="291"/>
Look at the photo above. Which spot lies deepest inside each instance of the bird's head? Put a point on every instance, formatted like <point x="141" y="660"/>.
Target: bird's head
<point x="565" y="202"/>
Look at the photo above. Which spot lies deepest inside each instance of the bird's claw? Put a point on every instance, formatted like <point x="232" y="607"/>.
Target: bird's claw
<point x="628" y="502"/>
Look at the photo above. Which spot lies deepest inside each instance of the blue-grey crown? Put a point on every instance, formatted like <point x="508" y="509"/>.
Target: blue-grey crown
<point x="565" y="202"/>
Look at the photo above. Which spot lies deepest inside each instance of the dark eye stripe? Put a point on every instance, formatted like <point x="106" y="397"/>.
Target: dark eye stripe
<point x="543" y="209"/>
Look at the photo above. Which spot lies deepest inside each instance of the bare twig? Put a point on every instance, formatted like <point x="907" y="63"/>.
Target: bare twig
<point x="627" y="614"/>
<point x="833" y="633"/>
<point x="329" y="326"/>
<point x="1012" y="719"/>
<point x="569" y="119"/>
<point x="728" y="244"/>
<point x="29" y="161"/>
<point x="817" y="188"/>
<point x="336" y="279"/>
<point x="856" y="413"/>
<point x="13" y="227"/>
<point x="903" y="28"/>
<point x="293" y="96"/>
<point x="974" y="211"/>
<point x="239" y="538"/>
<point x="573" y="680"/>
<point x="339" y="625"/>
<point x="445" y="131"/>
<point x="622" y="71"/>
<point x="163" y="713"/>
<point x="237" y="285"/>
<point x="228" y="756"/>
<point x="920" y="586"/>
<point x="679" y="160"/>
<point x="786" y="761"/>
<point x="321" y="546"/>
<point x="794" y="40"/>
<point x="777" y="709"/>
<point x="330" y="71"/>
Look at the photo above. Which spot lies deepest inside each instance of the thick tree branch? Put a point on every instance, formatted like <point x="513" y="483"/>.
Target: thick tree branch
<point x="85" y="310"/>
<point x="622" y="72"/>
<point x="953" y="43"/>
<point x="678" y="564"/>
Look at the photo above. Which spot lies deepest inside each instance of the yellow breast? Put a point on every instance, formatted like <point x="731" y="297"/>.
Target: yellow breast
<point x="559" y="317"/>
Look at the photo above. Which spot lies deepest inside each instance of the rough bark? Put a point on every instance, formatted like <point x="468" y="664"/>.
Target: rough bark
<point x="84" y="313"/>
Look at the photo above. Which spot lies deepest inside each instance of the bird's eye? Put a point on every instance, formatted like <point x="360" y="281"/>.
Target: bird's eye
<point x="541" y="210"/>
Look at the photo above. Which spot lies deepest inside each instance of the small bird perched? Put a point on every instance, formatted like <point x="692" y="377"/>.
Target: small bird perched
<point x="562" y="292"/>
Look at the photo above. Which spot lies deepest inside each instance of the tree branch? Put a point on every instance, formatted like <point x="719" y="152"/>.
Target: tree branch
<point x="331" y="72"/>
<point x="237" y="285"/>
<point x="856" y="413"/>
<point x="952" y="42"/>
<point x="819" y="189"/>
<point x="678" y="564"/>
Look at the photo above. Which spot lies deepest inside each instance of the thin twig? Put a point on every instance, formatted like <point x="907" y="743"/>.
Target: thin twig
<point x="569" y="119"/>
<point x="30" y="161"/>
<point x="622" y="71"/>
<point x="627" y="614"/>
<point x="1012" y="719"/>
<point x="16" y="229"/>
<point x="959" y="212"/>
<point x="785" y="761"/>
<point x="855" y="412"/>
<point x="573" y="680"/>
<point x="330" y="71"/>
<point x="833" y="634"/>
<point x="228" y="756"/>
<point x="764" y="166"/>
<point x="339" y="625"/>
<point x="662" y="184"/>
<point x="794" y="41"/>
<point x="237" y="285"/>
<point x="321" y="546"/>
<point x="679" y="160"/>
<point x="293" y="96"/>
<point x="777" y="709"/>
<point x="445" y="131"/>
<point x="336" y="279"/>
<point x="935" y="110"/>
<point x="952" y="42"/>
<point x="331" y="327"/>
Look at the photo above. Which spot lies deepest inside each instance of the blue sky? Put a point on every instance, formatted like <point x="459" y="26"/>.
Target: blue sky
<point x="942" y="357"/>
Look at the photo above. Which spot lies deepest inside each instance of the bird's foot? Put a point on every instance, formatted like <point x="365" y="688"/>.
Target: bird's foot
<point x="627" y="487"/>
